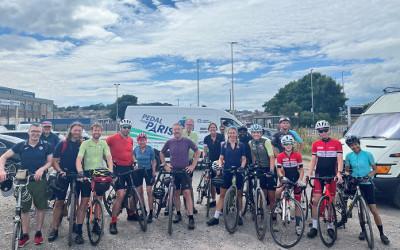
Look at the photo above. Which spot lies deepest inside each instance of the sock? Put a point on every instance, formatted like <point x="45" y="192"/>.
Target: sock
<point x="151" y="211"/>
<point x="298" y="220"/>
<point x="191" y="217"/>
<point x="330" y="225"/>
<point x="38" y="233"/>
<point x="380" y="228"/>
<point x="314" y="223"/>
<point x="178" y="212"/>
<point x="79" y="229"/>
<point x="114" y="219"/>
<point x="217" y="214"/>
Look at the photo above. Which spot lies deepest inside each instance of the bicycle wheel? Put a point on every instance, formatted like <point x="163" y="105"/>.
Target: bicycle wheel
<point x="260" y="214"/>
<point x="108" y="200"/>
<point x="16" y="235"/>
<point x="304" y="203"/>
<point x="208" y="192"/>
<point x="246" y="196"/>
<point x="171" y="191"/>
<point x="140" y="210"/>
<point x="283" y="226"/>
<point x="200" y="189"/>
<point x="71" y="216"/>
<point x="327" y="221"/>
<point x="365" y="222"/>
<point x="95" y="221"/>
<point x="341" y="210"/>
<point x="231" y="210"/>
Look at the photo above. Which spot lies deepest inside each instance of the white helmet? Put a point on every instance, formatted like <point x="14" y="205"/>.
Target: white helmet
<point x="256" y="128"/>
<point x="287" y="139"/>
<point x="125" y="122"/>
<point x="322" y="124"/>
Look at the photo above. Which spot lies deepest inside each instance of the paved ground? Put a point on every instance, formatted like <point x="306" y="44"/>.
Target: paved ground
<point x="203" y="237"/>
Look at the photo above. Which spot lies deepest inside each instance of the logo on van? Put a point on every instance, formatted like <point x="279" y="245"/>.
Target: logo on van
<point x="155" y="124"/>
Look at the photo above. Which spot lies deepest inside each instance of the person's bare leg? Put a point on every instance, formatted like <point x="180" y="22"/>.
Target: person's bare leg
<point x="150" y="197"/>
<point x="39" y="219"/>
<point x="57" y="213"/>
<point x="118" y="202"/>
<point x="188" y="199"/>
<point x="25" y="217"/>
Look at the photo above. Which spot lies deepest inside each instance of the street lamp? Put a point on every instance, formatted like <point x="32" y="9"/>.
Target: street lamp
<point x="198" y="84"/>
<point x="312" y="98"/>
<point x="116" y="104"/>
<point x="233" y="90"/>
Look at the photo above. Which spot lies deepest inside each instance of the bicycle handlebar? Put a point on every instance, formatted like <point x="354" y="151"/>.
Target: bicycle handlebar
<point x="319" y="178"/>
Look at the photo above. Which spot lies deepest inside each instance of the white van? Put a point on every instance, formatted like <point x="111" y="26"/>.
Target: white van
<point x="379" y="131"/>
<point x="157" y="121"/>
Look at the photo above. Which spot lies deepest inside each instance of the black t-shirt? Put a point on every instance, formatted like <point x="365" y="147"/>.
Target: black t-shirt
<point x="214" y="147"/>
<point x="67" y="151"/>
<point x="52" y="139"/>
<point x="32" y="158"/>
<point x="245" y="140"/>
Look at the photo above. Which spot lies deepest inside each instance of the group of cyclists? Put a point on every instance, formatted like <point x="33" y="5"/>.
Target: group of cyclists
<point x="229" y="147"/>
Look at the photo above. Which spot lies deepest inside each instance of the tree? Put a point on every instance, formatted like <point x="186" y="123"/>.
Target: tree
<point x="123" y="102"/>
<point x="296" y="97"/>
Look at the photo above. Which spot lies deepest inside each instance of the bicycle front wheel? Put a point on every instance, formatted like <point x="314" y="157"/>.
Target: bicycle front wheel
<point x="95" y="222"/>
<point x="304" y="203"/>
<point x="171" y="191"/>
<point x="231" y="210"/>
<point x="327" y="221"/>
<point x="208" y="192"/>
<point x="246" y="196"/>
<point x="71" y="216"/>
<point x="365" y="222"/>
<point x="287" y="222"/>
<point x="200" y="189"/>
<point x="16" y="235"/>
<point x="140" y="210"/>
<point x="260" y="214"/>
<point x="108" y="200"/>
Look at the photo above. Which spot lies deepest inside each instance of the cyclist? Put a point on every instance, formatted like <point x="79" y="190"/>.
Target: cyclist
<point x="64" y="160"/>
<point x="146" y="170"/>
<point x="49" y="136"/>
<point x="178" y="148"/>
<point x="284" y="129"/>
<point x="232" y="155"/>
<point x="290" y="165"/>
<point x="212" y="150"/>
<point x="92" y="152"/>
<point x="362" y="164"/>
<point x="245" y="138"/>
<point x="189" y="133"/>
<point x="327" y="161"/>
<point x="36" y="157"/>
<point x="121" y="148"/>
<point x="263" y="154"/>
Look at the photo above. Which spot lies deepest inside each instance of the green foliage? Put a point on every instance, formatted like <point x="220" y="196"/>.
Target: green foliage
<point x="123" y="102"/>
<point x="296" y="97"/>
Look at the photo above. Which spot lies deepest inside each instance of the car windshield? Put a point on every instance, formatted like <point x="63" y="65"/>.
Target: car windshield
<point x="385" y="126"/>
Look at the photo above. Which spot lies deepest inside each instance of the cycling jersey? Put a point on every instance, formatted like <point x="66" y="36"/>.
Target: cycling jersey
<point x="276" y="139"/>
<point x="360" y="163"/>
<point x="93" y="154"/>
<point x="179" y="151"/>
<point x="290" y="164"/>
<point x="262" y="151"/>
<point x="144" y="158"/>
<point x="121" y="149"/>
<point x="232" y="156"/>
<point x="194" y="138"/>
<point x="67" y="151"/>
<point x="214" y="147"/>
<point x="326" y="153"/>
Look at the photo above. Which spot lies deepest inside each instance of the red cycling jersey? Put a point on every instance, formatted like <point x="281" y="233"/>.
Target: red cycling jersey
<point x="326" y="152"/>
<point x="290" y="164"/>
<point x="121" y="149"/>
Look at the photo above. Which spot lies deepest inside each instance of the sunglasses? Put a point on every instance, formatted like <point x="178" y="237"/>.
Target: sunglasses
<point x="287" y="144"/>
<point x="324" y="130"/>
<point x="126" y="127"/>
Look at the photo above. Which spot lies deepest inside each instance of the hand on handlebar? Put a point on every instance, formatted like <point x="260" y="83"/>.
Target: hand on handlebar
<point x="3" y="175"/>
<point x="339" y="178"/>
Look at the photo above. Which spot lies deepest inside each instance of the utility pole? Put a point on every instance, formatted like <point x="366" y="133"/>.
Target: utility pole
<point x="233" y="89"/>
<point x="116" y="104"/>
<point x="342" y="83"/>
<point x="230" y="100"/>
<point x="198" y="84"/>
<point x="312" y="97"/>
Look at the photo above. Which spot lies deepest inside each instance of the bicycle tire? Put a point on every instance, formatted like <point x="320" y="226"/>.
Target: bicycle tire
<point x="16" y="235"/>
<point x="341" y="209"/>
<point x="246" y="196"/>
<point x="71" y="217"/>
<point x="305" y="203"/>
<point x="208" y="198"/>
<point x="170" y="207"/>
<point x="274" y="221"/>
<point x="231" y="208"/>
<point x="200" y="189"/>
<point x="94" y="237"/>
<point x="328" y="209"/>
<point x="369" y="235"/>
<point x="140" y="210"/>
<point x="260" y="212"/>
<point x="108" y="200"/>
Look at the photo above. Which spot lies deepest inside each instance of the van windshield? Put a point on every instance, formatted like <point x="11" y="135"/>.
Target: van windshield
<point x="385" y="126"/>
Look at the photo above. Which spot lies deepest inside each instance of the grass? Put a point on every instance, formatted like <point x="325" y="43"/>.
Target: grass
<point x="309" y="138"/>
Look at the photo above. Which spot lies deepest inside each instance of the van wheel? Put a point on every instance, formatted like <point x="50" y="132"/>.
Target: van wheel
<point x="396" y="198"/>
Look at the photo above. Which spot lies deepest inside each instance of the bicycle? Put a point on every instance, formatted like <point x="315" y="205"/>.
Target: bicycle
<point x="284" y="214"/>
<point x="326" y="212"/>
<point x="205" y="185"/>
<point x="160" y="192"/>
<point x="357" y="200"/>
<point x="231" y="202"/>
<point x="171" y="196"/>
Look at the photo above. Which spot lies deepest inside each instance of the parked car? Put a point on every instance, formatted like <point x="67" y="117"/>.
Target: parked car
<point x="7" y="142"/>
<point x="24" y="134"/>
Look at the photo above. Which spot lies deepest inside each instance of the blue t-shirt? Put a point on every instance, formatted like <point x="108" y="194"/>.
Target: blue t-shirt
<point x="232" y="157"/>
<point x="32" y="158"/>
<point x="144" y="158"/>
<point x="360" y="164"/>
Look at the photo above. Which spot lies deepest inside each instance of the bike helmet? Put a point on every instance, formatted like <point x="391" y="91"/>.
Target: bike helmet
<point x="141" y="136"/>
<point x="159" y="193"/>
<point x="125" y="122"/>
<point x="287" y="139"/>
<point x="352" y="140"/>
<point x="322" y="124"/>
<point x="7" y="188"/>
<point x="282" y="119"/>
<point x="256" y="128"/>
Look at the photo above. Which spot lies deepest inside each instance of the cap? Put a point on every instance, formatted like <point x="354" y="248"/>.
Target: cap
<point x="46" y="123"/>
<point x="284" y="119"/>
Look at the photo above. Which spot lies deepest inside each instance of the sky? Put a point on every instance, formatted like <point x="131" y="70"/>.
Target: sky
<point x="75" y="51"/>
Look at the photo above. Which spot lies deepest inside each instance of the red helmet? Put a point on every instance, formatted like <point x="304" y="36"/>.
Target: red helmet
<point x="141" y="136"/>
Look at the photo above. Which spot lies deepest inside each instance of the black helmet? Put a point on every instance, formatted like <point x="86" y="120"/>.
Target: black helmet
<point x="242" y="128"/>
<point x="6" y="187"/>
<point x="352" y="140"/>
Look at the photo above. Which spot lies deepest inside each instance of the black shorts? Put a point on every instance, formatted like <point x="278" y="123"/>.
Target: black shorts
<point x="268" y="182"/>
<point x="61" y="194"/>
<point x="84" y="187"/>
<point x="122" y="182"/>
<point x="143" y="174"/>
<point x="183" y="181"/>
<point x="368" y="192"/>
<point x="227" y="176"/>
